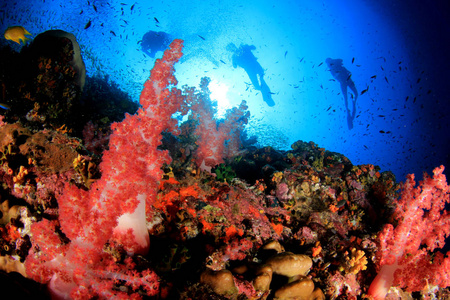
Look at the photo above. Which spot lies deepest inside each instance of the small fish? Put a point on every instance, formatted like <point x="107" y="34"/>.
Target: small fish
<point x="320" y="64"/>
<point x="156" y="19"/>
<point x="95" y="8"/>
<point x="113" y="33"/>
<point x="374" y="77"/>
<point x="302" y="59"/>
<point x="418" y="80"/>
<point x="364" y="91"/>
<point x="382" y="131"/>
<point x="88" y="24"/>
<point x="201" y="37"/>
<point x="17" y="34"/>
<point x="385" y="78"/>
<point x="341" y="203"/>
<point x="81" y="12"/>
<point x="349" y="76"/>
<point x="223" y="62"/>
<point x="285" y="53"/>
<point x="132" y="6"/>
<point x="329" y="108"/>
<point x="353" y="60"/>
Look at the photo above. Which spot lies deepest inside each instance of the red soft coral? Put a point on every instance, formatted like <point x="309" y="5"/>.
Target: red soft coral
<point x="115" y="205"/>
<point x="217" y="140"/>
<point x="405" y="254"/>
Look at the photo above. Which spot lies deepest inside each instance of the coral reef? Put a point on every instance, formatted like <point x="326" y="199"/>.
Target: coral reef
<point x="149" y="208"/>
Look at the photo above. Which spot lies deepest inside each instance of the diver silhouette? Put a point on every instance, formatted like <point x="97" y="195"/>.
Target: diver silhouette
<point x="341" y="74"/>
<point x="153" y="42"/>
<point x="244" y="58"/>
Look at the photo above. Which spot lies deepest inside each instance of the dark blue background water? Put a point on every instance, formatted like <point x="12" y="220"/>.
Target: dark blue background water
<point x="397" y="50"/>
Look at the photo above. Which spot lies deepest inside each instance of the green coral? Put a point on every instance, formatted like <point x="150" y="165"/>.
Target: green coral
<point x="224" y="173"/>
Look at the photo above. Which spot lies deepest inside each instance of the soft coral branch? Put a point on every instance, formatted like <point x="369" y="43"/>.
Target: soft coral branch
<point x="115" y="206"/>
<point x="217" y="139"/>
<point x="406" y="257"/>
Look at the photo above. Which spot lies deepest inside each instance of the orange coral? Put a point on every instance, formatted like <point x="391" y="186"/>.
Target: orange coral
<point x="317" y="249"/>
<point x="231" y="232"/>
<point x="278" y="228"/>
<point x="192" y="190"/>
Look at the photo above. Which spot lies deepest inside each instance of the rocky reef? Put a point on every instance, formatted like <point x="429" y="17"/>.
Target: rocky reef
<point x="265" y="224"/>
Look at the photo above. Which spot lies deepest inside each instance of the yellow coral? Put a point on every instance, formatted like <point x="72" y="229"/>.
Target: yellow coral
<point x="277" y="176"/>
<point x="21" y="176"/>
<point x="356" y="262"/>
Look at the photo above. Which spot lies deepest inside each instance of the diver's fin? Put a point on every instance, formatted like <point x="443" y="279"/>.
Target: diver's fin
<point x="349" y="121"/>
<point x="266" y="93"/>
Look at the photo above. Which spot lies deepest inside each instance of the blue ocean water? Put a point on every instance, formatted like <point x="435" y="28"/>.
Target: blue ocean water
<point x="397" y="53"/>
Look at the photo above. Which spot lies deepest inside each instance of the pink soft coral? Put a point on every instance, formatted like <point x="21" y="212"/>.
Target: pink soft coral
<point x="217" y="140"/>
<point x="406" y="257"/>
<point x="115" y="206"/>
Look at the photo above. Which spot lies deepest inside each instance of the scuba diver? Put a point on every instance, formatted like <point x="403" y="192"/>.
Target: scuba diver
<point x="244" y="58"/>
<point x="341" y="74"/>
<point x="153" y="42"/>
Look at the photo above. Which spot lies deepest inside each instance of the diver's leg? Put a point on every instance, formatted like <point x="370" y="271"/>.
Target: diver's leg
<point x="352" y="86"/>
<point x="344" y="93"/>
<point x="254" y="79"/>
<point x="266" y="93"/>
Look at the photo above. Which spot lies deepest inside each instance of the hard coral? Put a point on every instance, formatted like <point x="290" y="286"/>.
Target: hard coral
<point x="290" y="264"/>
<point x="8" y="212"/>
<point x="263" y="278"/>
<point x="300" y="289"/>
<point x="222" y="281"/>
<point x="10" y="264"/>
